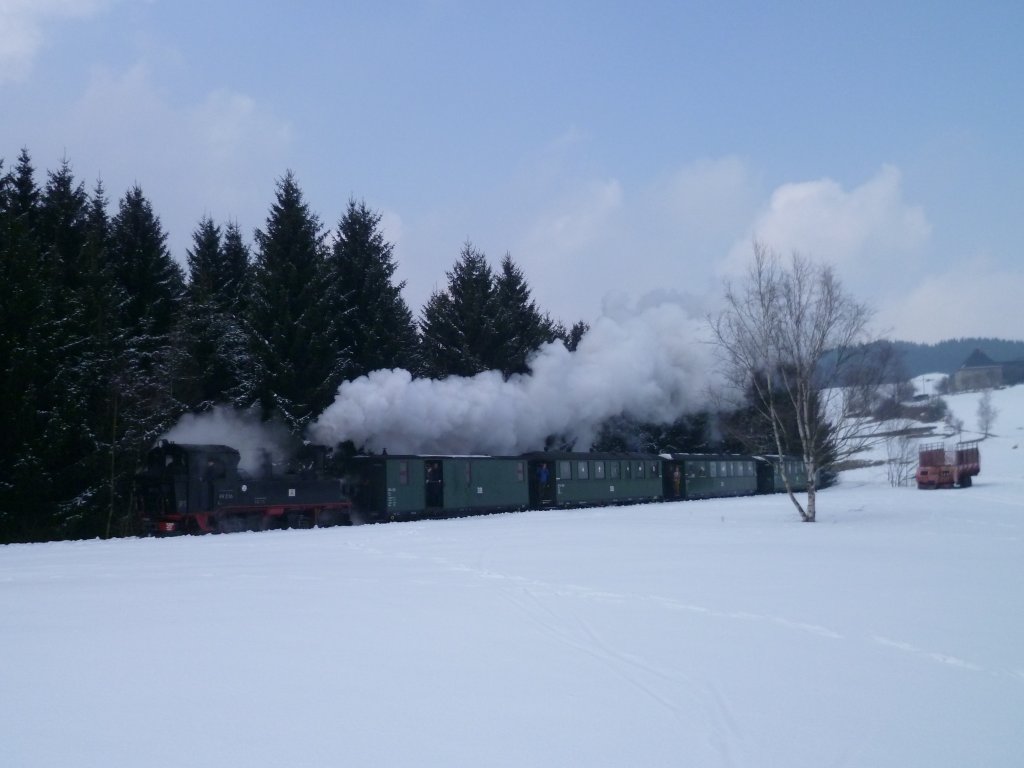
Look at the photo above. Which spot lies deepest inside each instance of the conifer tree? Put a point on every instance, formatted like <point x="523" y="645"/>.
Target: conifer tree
<point x="574" y="335"/>
<point x="298" y="368"/>
<point x="76" y="387"/>
<point x="203" y="259"/>
<point x="373" y="320"/>
<point x="146" y="361"/>
<point x="26" y="343"/>
<point x="99" y="472"/>
<point x="63" y="218"/>
<point x="484" y="321"/>
<point x="23" y="193"/>
<point x="217" y="361"/>
<point x="458" y="325"/>
<point x="520" y="327"/>
<point x="234" y="278"/>
<point x="152" y="280"/>
<point x="218" y="265"/>
<point x="44" y="345"/>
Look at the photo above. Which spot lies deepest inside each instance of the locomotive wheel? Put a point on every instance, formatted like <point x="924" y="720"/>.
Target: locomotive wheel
<point x="298" y="520"/>
<point x="230" y="524"/>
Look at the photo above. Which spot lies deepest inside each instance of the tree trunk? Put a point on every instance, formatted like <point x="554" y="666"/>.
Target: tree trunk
<point x="812" y="492"/>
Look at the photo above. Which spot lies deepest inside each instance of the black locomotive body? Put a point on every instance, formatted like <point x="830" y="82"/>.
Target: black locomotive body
<point x="201" y="489"/>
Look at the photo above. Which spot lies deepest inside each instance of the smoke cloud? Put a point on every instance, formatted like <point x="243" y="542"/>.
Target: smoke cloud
<point x="244" y="430"/>
<point x="651" y="364"/>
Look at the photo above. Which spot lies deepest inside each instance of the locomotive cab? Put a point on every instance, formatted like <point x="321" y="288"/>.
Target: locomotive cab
<point x="201" y="489"/>
<point x="180" y="485"/>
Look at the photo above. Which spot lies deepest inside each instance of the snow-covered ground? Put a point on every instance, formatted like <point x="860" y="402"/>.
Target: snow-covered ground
<point x="715" y="633"/>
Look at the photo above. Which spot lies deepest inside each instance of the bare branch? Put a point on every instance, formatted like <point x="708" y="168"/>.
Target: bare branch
<point x="791" y="340"/>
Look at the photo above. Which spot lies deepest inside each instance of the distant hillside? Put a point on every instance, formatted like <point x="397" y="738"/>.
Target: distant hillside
<point x="947" y="356"/>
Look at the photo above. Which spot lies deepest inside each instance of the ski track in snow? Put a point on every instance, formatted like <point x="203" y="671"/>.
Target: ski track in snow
<point x="535" y="587"/>
<point x="568" y="628"/>
<point x="941" y="658"/>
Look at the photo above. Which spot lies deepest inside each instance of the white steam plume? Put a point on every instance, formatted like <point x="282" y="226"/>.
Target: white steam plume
<point x="254" y="439"/>
<point x="652" y="364"/>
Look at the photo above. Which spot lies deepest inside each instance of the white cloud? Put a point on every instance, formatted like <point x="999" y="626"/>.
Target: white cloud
<point x="391" y="227"/>
<point x="23" y="25"/>
<point x="218" y="156"/>
<point x="976" y="298"/>
<point x="860" y="231"/>
<point x="881" y="245"/>
<point x="579" y="221"/>
<point x="580" y="234"/>
<point x="706" y="199"/>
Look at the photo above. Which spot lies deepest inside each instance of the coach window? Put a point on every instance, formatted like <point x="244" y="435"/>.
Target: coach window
<point x="403" y="473"/>
<point x="628" y="469"/>
<point x="599" y="470"/>
<point x="564" y="470"/>
<point x="640" y="470"/>
<point x="583" y="470"/>
<point x="713" y="466"/>
<point x="520" y="472"/>
<point x="613" y="470"/>
<point x="654" y="469"/>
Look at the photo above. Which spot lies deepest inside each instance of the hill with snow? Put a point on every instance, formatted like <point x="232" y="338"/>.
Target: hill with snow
<point x="712" y="633"/>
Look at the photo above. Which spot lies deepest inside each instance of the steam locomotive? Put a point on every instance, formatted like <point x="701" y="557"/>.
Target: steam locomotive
<point x="189" y="488"/>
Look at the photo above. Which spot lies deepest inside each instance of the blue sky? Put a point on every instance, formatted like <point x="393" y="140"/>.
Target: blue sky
<point x="616" y="150"/>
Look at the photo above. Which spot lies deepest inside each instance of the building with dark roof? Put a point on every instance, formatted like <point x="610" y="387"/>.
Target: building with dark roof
<point x="979" y="371"/>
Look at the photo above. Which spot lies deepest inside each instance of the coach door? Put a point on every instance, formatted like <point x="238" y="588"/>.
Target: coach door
<point x="542" y="483"/>
<point x="433" y="478"/>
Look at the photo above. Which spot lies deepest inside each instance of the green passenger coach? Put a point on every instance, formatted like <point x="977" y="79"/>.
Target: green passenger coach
<point x="414" y="487"/>
<point x="706" y="476"/>
<point x="769" y="474"/>
<point x="593" y="479"/>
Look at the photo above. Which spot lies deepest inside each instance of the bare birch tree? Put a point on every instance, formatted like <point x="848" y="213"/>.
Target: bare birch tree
<point x="900" y="452"/>
<point x="790" y="335"/>
<point x="986" y="413"/>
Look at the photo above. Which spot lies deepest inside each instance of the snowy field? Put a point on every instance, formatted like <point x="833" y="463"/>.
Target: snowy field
<point x="715" y="633"/>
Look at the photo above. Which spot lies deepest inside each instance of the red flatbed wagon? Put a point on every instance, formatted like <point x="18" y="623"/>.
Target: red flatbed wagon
<point x="942" y="468"/>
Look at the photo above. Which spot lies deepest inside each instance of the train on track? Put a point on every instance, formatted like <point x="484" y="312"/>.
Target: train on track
<point x="191" y="488"/>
